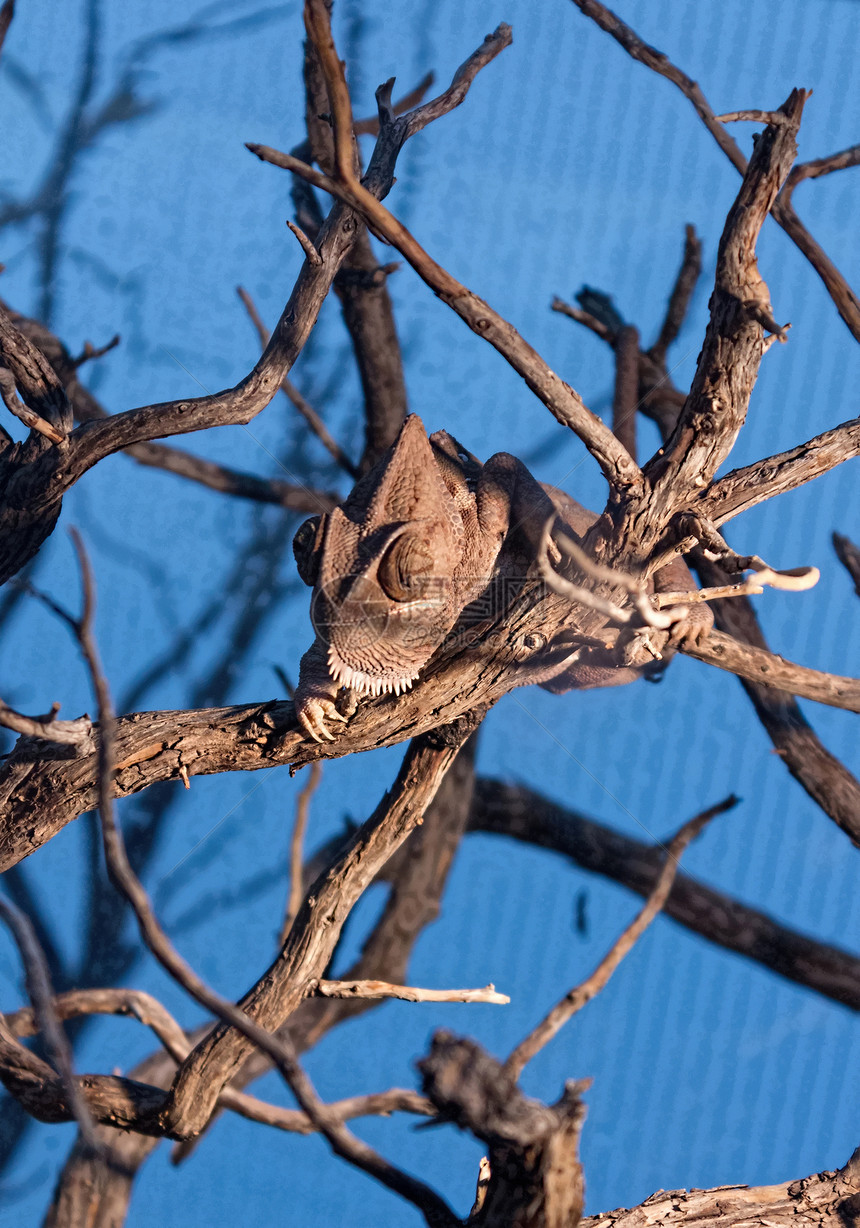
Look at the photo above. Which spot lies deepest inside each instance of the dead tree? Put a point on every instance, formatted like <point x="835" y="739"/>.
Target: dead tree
<point x="592" y="597"/>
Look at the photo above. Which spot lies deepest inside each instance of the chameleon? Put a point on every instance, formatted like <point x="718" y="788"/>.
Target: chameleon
<point x="417" y="540"/>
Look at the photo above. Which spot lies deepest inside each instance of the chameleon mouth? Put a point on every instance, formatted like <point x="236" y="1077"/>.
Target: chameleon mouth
<point x="385" y="683"/>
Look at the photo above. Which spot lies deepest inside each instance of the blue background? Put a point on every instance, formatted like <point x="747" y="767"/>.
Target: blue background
<point x="568" y="164"/>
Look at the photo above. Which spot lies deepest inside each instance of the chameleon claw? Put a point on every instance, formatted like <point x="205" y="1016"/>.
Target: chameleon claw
<point x="313" y="715"/>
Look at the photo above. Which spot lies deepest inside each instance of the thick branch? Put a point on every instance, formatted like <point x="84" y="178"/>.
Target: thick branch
<point x="535" y="1178"/>
<point x="825" y="1200"/>
<point x="314" y="934"/>
<point x="734" y="341"/>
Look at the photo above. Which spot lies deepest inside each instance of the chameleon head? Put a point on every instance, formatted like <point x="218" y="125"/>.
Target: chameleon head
<point x="382" y="566"/>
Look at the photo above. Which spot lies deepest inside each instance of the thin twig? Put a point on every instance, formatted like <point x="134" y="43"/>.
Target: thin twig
<point x="292" y="393"/>
<point x="679" y="299"/>
<point x="817" y="167"/>
<point x="559" y="398"/>
<point x="584" y="317"/>
<point x="577" y="998"/>
<point x="72" y="733"/>
<point x="32" y="420"/>
<point x="297" y="887"/>
<point x="407" y="993"/>
<point x="91" y="352"/>
<point x="755" y="117"/>
<point x="370" y="126"/>
<point x="294" y="1121"/>
<point x="844" y="298"/>
<point x="41" y="995"/>
<point x="306" y="245"/>
<point x="749" y="588"/>
<point x="518" y="813"/>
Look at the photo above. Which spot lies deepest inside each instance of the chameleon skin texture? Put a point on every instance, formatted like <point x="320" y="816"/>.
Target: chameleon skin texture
<point x="423" y="535"/>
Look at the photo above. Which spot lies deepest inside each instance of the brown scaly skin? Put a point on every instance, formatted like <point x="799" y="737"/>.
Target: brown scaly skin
<point x="420" y="538"/>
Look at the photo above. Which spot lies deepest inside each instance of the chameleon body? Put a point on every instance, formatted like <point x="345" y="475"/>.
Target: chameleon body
<point x="419" y="538"/>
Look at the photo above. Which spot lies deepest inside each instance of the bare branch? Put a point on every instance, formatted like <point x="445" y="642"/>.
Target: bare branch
<point x="374" y="990"/>
<point x="828" y="782"/>
<point x="522" y="814"/>
<point x="626" y="397"/>
<point x="31" y="373"/>
<point x="732" y="351"/>
<point x="585" y="318"/>
<point x="7" y="12"/>
<point x="292" y="393"/>
<point x="559" y="398"/>
<point x="744" y="488"/>
<point x="91" y="352"/>
<point x="759" y="665"/>
<point x="70" y="733"/>
<point x="294" y="1121"/>
<point x="679" y="299"/>
<point x="16" y="406"/>
<point x="577" y="998"/>
<point x="314" y="933"/>
<point x="77" y="1002"/>
<point x="535" y="1177"/>
<point x="304" y="242"/>
<point x="754" y="117"/>
<point x="370" y="126"/>
<point x="296" y="895"/>
<point x="41" y="996"/>
<point x="417" y="874"/>
<point x="821" y="166"/>
<point x="844" y="298"/>
<point x="184" y="464"/>
<point x="828" y="1200"/>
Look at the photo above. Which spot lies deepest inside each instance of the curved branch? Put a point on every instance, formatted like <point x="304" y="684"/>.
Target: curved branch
<point x="565" y="404"/>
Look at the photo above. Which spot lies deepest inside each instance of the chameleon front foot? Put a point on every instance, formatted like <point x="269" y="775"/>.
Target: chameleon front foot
<point x="693" y="628"/>
<point x="313" y="712"/>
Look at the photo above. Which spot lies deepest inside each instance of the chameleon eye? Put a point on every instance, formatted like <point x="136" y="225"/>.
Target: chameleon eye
<point x="405" y="568"/>
<point x="304" y="548"/>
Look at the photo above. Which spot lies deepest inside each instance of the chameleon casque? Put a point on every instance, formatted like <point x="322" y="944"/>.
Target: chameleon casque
<point x="418" y="539"/>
